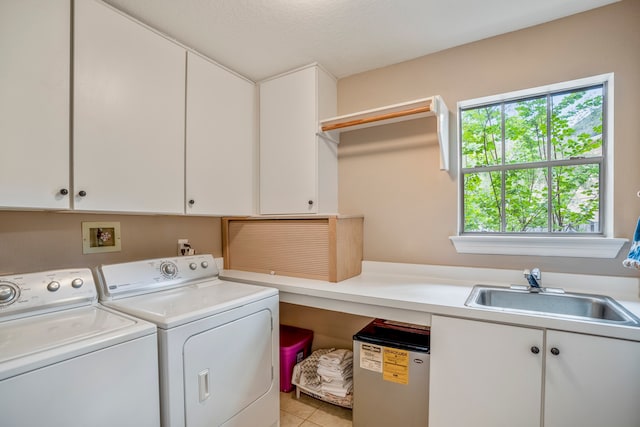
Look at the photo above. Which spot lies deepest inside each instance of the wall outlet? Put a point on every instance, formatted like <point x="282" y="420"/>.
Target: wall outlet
<point x="184" y="248"/>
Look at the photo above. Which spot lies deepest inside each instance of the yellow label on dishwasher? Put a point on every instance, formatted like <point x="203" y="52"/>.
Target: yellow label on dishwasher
<point x="395" y="365"/>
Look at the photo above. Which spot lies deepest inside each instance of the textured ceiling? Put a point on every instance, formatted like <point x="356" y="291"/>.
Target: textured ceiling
<point x="262" y="38"/>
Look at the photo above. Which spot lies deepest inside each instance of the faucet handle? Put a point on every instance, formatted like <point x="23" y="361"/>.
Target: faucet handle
<point x="534" y="277"/>
<point x="536" y="273"/>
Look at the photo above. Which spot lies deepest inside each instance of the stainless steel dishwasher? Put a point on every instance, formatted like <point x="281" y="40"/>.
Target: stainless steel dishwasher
<point x="391" y="375"/>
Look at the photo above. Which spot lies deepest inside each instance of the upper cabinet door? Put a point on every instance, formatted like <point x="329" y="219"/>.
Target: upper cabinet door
<point x="287" y="143"/>
<point x="34" y="103"/>
<point x="129" y="101"/>
<point x="221" y="139"/>
<point x="298" y="173"/>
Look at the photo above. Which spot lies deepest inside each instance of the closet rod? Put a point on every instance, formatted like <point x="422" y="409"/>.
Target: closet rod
<point x="387" y="116"/>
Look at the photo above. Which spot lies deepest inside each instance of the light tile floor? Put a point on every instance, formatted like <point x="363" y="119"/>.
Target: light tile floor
<point x="310" y="412"/>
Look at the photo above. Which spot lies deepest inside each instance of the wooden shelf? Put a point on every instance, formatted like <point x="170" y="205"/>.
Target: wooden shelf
<point x="425" y="107"/>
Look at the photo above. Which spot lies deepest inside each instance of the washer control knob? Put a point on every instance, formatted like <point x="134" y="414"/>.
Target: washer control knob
<point x="204" y="264"/>
<point x="7" y="293"/>
<point x="193" y="266"/>
<point x="53" y="286"/>
<point x="76" y="283"/>
<point x="168" y="269"/>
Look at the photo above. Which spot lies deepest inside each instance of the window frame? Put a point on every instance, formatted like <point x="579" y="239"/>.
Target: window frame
<point x="598" y="245"/>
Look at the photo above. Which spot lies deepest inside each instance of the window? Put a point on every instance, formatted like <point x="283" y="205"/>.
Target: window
<point x="533" y="165"/>
<point x="536" y="163"/>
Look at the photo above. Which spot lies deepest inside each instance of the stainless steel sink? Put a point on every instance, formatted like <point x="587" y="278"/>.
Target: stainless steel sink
<point x="597" y="308"/>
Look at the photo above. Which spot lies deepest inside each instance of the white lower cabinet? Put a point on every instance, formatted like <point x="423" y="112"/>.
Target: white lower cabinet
<point x="591" y="382"/>
<point x="484" y="374"/>
<point x="491" y="375"/>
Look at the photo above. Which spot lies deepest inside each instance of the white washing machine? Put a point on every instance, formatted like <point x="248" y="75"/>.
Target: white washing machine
<point x="218" y="340"/>
<point x="66" y="361"/>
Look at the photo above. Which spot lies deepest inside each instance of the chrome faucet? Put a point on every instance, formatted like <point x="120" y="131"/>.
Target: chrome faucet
<point x="534" y="277"/>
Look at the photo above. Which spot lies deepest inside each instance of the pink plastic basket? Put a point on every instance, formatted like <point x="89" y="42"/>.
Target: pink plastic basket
<point x="295" y="345"/>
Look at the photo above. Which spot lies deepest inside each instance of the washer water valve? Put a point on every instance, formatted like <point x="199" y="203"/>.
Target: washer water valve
<point x="184" y="248"/>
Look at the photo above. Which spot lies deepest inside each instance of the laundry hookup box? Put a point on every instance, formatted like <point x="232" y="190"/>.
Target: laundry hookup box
<point x="295" y="345"/>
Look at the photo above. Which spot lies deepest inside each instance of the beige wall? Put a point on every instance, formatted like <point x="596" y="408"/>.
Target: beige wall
<point x="390" y="173"/>
<point x="33" y="241"/>
<point x="330" y="328"/>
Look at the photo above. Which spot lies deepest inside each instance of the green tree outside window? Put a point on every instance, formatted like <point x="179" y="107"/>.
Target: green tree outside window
<point x="534" y="165"/>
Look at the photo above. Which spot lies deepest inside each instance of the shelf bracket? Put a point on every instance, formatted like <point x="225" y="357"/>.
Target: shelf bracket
<point x="327" y="137"/>
<point x="442" y="124"/>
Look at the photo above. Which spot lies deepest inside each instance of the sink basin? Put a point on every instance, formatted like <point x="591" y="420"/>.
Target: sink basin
<point x="597" y="308"/>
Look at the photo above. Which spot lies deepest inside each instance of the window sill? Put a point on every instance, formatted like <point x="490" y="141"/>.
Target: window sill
<point x="581" y="247"/>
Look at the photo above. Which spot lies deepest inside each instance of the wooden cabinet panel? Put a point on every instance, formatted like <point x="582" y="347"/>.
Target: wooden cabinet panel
<point x="323" y="248"/>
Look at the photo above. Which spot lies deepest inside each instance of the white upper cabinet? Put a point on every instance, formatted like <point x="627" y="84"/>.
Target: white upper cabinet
<point x="34" y="103"/>
<point x="129" y="101"/>
<point x="298" y="170"/>
<point x="220" y="140"/>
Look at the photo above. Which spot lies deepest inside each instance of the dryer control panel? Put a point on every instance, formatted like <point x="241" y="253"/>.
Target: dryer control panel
<point x="46" y="291"/>
<point x="140" y="277"/>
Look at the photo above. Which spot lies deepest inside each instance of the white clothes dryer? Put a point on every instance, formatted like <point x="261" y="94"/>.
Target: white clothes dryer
<point x="66" y="361"/>
<point x="218" y="340"/>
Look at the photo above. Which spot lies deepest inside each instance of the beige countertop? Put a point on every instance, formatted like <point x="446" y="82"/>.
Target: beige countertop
<point x="414" y="292"/>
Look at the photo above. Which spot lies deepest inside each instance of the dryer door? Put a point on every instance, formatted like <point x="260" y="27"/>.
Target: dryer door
<point x="227" y="368"/>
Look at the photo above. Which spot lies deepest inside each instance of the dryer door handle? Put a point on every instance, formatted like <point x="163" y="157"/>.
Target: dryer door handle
<point x="203" y="385"/>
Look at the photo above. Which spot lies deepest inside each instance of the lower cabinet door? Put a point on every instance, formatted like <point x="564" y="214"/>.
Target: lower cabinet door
<point x="591" y="381"/>
<point x="484" y="374"/>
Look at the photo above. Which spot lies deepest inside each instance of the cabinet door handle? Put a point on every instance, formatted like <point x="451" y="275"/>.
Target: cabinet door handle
<point x="310" y="202"/>
<point x="555" y="351"/>
<point x="64" y="191"/>
<point x="192" y="202"/>
<point x="82" y="193"/>
<point x="535" y="349"/>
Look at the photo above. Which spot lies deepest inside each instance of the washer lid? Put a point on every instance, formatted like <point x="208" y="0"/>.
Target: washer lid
<point x="37" y="341"/>
<point x="178" y="306"/>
